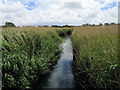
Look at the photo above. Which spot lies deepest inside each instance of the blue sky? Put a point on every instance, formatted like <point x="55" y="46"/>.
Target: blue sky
<point x="38" y="12"/>
<point x="100" y="1"/>
<point x="110" y="5"/>
<point x="30" y="4"/>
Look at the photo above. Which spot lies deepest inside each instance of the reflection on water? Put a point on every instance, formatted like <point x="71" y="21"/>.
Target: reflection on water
<point x="61" y="76"/>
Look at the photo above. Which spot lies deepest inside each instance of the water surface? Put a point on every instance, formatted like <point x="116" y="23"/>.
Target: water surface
<point x="61" y="76"/>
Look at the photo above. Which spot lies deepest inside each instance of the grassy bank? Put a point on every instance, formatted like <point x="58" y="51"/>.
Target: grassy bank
<point x="95" y="51"/>
<point x="27" y="52"/>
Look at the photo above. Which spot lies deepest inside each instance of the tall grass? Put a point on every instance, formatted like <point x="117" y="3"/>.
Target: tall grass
<point x="95" y="51"/>
<point x="27" y="53"/>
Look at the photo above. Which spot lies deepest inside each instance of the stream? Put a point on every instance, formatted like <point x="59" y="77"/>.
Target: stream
<point x="61" y="76"/>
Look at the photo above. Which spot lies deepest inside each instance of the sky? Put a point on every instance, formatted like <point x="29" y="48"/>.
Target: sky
<point x="58" y="12"/>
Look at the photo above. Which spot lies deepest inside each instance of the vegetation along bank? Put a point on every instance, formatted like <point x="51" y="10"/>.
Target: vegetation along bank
<point x="28" y="53"/>
<point x="95" y="51"/>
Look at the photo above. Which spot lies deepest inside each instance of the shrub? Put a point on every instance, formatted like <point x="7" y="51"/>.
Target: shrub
<point x="9" y="24"/>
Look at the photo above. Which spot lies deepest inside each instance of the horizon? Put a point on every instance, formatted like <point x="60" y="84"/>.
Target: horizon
<point x="64" y="25"/>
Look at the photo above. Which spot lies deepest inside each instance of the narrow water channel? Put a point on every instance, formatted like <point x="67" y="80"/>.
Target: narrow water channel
<point x="61" y="76"/>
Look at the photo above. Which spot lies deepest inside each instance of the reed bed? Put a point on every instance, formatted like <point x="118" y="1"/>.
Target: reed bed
<point x="95" y="50"/>
<point x="28" y="53"/>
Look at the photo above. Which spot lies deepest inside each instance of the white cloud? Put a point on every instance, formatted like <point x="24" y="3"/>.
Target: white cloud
<point x="57" y="12"/>
<point x="72" y="5"/>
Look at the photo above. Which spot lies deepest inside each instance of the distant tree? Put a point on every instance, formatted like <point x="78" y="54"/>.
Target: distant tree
<point x="86" y="24"/>
<point x="45" y="26"/>
<point x="9" y="24"/>
<point x="39" y="26"/>
<point x="68" y="26"/>
<point x="112" y="23"/>
<point x="90" y="25"/>
<point x="83" y="24"/>
<point x="93" y="24"/>
<point x="106" y="24"/>
<point x="100" y="24"/>
<point x="55" y="26"/>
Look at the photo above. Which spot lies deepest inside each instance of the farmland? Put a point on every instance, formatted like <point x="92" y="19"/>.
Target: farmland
<point x="30" y="52"/>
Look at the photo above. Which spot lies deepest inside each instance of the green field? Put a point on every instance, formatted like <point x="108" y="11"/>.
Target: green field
<point x="29" y="52"/>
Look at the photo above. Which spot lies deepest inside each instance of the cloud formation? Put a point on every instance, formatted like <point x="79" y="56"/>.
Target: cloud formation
<point x="40" y="12"/>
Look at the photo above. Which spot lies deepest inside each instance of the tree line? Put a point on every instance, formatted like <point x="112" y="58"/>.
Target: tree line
<point x="11" y="24"/>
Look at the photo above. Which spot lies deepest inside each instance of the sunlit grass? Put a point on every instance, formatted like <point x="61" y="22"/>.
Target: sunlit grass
<point x="95" y="52"/>
<point x="27" y="52"/>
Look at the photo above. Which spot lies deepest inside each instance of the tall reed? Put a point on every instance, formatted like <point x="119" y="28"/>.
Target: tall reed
<point x="95" y="52"/>
<point x="27" y="53"/>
